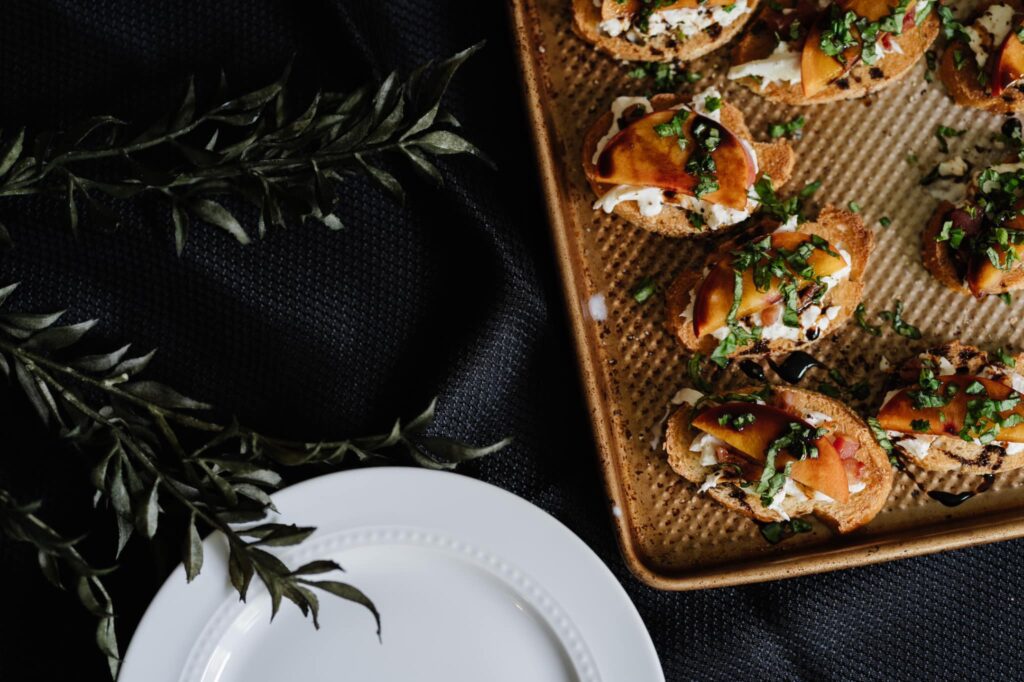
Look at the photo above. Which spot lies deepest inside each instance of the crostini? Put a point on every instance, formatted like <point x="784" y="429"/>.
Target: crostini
<point x="976" y="246"/>
<point x="659" y="30"/>
<point x="774" y="287"/>
<point x="957" y="408"/>
<point x="676" y="168"/>
<point x="983" y="64"/>
<point x="780" y="453"/>
<point x="798" y="52"/>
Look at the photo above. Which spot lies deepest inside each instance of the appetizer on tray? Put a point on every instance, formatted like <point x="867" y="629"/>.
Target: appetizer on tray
<point x="659" y="30"/>
<point x="799" y="52"/>
<point x="780" y="453"/>
<point x="983" y="64"/>
<point x="774" y="287"/>
<point x="958" y="408"/>
<point x="679" y="168"/>
<point x="976" y="247"/>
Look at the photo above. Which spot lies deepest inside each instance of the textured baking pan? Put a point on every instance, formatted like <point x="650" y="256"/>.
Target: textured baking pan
<point x="873" y="151"/>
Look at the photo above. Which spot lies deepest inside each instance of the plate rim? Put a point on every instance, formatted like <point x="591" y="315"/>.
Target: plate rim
<point x="319" y="496"/>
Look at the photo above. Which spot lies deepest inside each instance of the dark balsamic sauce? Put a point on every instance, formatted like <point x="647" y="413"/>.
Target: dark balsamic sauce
<point x="752" y="370"/>
<point x="795" y="366"/>
<point x="950" y="499"/>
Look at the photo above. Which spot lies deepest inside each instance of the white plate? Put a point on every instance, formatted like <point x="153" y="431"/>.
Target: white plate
<point x="472" y="582"/>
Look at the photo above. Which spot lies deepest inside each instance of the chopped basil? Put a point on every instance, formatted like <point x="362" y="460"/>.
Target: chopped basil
<point x="1005" y="357"/>
<point x="948" y="233"/>
<point x="644" y="290"/>
<point x="809" y="189"/>
<point x="1006" y="297"/>
<point x="673" y="127"/>
<point x="942" y="133"/>
<point x="881" y="437"/>
<point x="693" y="369"/>
<point x="777" y="531"/>
<point x="790" y="129"/>
<point x="899" y="325"/>
<point x="712" y="103"/>
<point x="920" y="425"/>
<point x="860" y="316"/>
<point x="665" y="76"/>
<point x="885" y="221"/>
<point x="854" y="206"/>
<point x="737" y="421"/>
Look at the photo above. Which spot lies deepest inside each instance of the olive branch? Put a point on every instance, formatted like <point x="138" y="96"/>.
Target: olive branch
<point x="281" y="156"/>
<point x="157" y="454"/>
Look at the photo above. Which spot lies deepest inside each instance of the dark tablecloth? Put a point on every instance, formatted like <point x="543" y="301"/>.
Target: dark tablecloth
<point x="311" y="332"/>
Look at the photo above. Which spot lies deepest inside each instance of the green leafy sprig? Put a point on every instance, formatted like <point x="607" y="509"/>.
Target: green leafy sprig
<point x="154" y="459"/>
<point x="282" y="156"/>
<point x="63" y="566"/>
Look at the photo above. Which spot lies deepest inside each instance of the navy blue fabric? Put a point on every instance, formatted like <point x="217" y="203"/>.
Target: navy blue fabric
<point x="313" y="332"/>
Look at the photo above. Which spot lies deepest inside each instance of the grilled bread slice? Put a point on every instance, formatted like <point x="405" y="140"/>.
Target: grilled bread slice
<point x="970" y="85"/>
<point x="668" y="46"/>
<point x="840" y="228"/>
<point x="952" y="453"/>
<point x="760" y="40"/>
<point x="874" y="470"/>
<point x="775" y="160"/>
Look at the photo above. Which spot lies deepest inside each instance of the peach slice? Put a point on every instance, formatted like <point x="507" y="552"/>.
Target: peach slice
<point x="715" y="296"/>
<point x="638" y="155"/>
<point x="1009" y="68"/>
<point x="984" y="278"/>
<point x="824" y="472"/>
<point x="899" y="413"/>
<point x="817" y="69"/>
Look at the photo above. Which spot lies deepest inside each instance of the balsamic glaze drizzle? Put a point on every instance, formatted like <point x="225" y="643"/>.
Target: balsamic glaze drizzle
<point x="795" y="366"/>
<point x="752" y="370"/>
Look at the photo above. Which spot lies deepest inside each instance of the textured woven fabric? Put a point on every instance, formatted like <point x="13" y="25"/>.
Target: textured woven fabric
<point x="455" y="294"/>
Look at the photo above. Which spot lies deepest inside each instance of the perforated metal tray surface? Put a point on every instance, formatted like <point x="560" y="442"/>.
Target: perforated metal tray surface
<point x="873" y="151"/>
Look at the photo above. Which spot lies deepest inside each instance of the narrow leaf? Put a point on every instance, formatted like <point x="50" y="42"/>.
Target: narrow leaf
<point x="215" y="214"/>
<point x="193" y="554"/>
<point x="10" y="152"/>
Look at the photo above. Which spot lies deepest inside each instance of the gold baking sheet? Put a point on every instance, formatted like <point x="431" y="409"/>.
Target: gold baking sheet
<point x="670" y="537"/>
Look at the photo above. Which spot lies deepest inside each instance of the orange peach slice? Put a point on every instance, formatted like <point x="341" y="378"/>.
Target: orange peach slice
<point x="1009" y="68"/>
<point x="638" y="155"/>
<point x="817" y="69"/>
<point x="984" y="278"/>
<point x="715" y="296"/>
<point x="824" y="472"/>
<point x="899" y="413"/>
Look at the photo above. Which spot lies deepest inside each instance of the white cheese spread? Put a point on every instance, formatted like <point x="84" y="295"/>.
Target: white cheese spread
<point x="996" y="22"/>
<point x="781" y="66"/>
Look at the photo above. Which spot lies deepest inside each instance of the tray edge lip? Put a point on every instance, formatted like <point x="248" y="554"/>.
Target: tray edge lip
<point x="982" y="530"/>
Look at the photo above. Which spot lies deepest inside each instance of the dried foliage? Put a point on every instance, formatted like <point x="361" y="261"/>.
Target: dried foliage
<point x="282" y="156"/>
<point x="157" y="455"/>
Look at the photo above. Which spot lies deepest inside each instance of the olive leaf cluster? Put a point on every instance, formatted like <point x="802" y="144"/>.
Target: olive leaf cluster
<point x="159" y="458"/>
<point x="280" y="155"/>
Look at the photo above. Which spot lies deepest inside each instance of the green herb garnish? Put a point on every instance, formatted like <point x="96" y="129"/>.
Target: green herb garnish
<point x="644" y="290"/>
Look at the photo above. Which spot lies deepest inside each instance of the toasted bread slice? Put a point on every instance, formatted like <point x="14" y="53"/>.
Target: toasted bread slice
<point x="959" y="71"/>
<point x="951" y="453"/>
<point x="586" y="17"/>
<point x="839" y="227"/>
<point x="759" y="41"/>
<point x="876" y="471"/>
<point x="938" y="258"/>
<point x="775" y="159"/>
